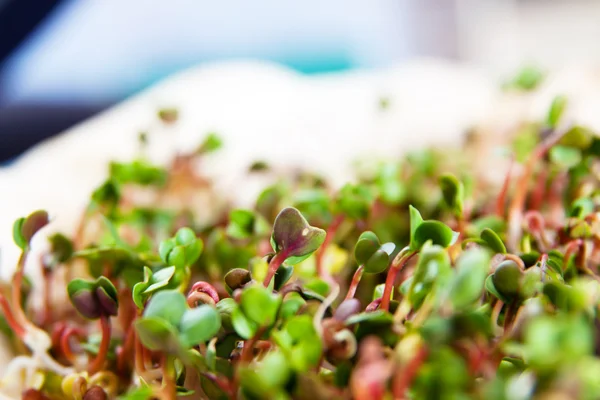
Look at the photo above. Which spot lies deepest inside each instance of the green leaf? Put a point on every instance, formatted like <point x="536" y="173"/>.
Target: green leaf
<point x="582" y="207"/>
<point x="435" y="231"/>
<point x="198" y="325"/>
<point x="283" y="274"/>
<point x="260" y="305"/>
<point x="433" y="267"/>
<point x="354" y="201"/>
<point x="211" y="143"/>
<point x="170" y="305"/>
<point x="18" y="237"/>
<point x="108" y="194"/>
<point x="493" y="241"/>
<point x="138" y="393"/>
<point x="242" y="324"/>
<point x="467" y="286"/>
<point x="452" y="193"/>
<point x="293" y="236"/>
<point x="375" y="316"/>
<point x="489" y="286"/>
<point x="160" y="279"/>
<point x="506" y="279"/>
<point x="152" y="282"/>
<point x="157" y="334"/>
<point x="25" y="228"/>
<point x="415" y="221"/>
<point x="241" y="224"/>
<point x="138" y="172"/>
<point x="527" y="79"/>
<point x="371" y="254"/>
<point x="62" y="248"/>
<point x="556" y="111"/>
<point x="181" y="251"/>
<point x="565" y="157"/>
<point x="579" y="137"/>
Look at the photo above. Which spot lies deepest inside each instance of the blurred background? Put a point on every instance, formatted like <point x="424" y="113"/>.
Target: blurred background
<point x="62" y="61"/>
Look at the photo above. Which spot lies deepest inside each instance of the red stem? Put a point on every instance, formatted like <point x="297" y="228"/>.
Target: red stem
<point x="98" y="362"/>
<point x="123" y="356"/>
<point x="330" y="234"/>
<point x="17" y="282"/>
<point x="405" y="376"/>
<point x="275" y="263"/>
<point x="65" y="346"/>
<point x="247" y="351"/>
<point x="403" y="257"/>
<point x="47" y="297"/>
<point x="221" y="382"/>
<point x="515" y="211"/>
<point x="355" y="281"/>
<point x="10" y="317"/>
<point x="538" y="195"/>
<point x="501" y="201"/>
<point x="140" y="367"/>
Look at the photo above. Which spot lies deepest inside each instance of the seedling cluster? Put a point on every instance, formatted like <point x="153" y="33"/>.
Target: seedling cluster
<point x="420" y="280"/>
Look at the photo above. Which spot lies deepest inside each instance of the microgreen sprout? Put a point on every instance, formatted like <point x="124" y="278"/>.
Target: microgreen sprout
<point x="426" y="281"/>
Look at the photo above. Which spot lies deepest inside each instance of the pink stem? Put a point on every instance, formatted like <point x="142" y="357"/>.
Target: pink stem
<point x="274" y="265"/>
<point x="98" y="362"/>
<point x="403" y="257"/>
<point x="355" y="281"/>
<point x="330" y="234"/>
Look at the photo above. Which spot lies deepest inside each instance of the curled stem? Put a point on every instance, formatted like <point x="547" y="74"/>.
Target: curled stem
<point x="318" y="318"/>
<point x="98" y="362"/>
<point x="65" y="345"/>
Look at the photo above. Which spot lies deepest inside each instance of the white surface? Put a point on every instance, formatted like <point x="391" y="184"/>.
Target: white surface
<point x="266" y="112"/>
<point x="262" y="111"/>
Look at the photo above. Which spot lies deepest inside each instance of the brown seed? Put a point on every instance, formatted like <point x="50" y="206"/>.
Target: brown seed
<point x="95" y="393"/>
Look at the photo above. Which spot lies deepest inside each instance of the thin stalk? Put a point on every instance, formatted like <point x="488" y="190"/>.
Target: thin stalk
<point x="330" y="234"/>
<point x="274" y="265"/>
<point x="515" y="211"/>
<point x="355" y="281"/>
<point x="405" y="376"/>
<point x="17" y="283"/>
<point x="140" y="367"/>
<point x="501" y="201"/>
<point x="318" y="317"/>
<point x="65" y="345"/>
<point x="170" y="387"/>
<point x="98" y="362"/>
<point x="222" y="382"/>
<point x="399" y="262"/>
<point x="11" y="318"/>
<point x="128" y="346"/>
<point x="539" y="192"/>
<point x="47" y="297"/>
<point x="248" y="350"/>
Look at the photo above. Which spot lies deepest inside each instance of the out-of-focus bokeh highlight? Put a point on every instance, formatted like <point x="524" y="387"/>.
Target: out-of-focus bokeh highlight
<point x="62" y="61"/>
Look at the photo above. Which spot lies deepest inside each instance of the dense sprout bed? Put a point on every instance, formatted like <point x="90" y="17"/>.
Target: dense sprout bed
<point x="419" y="280"/>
